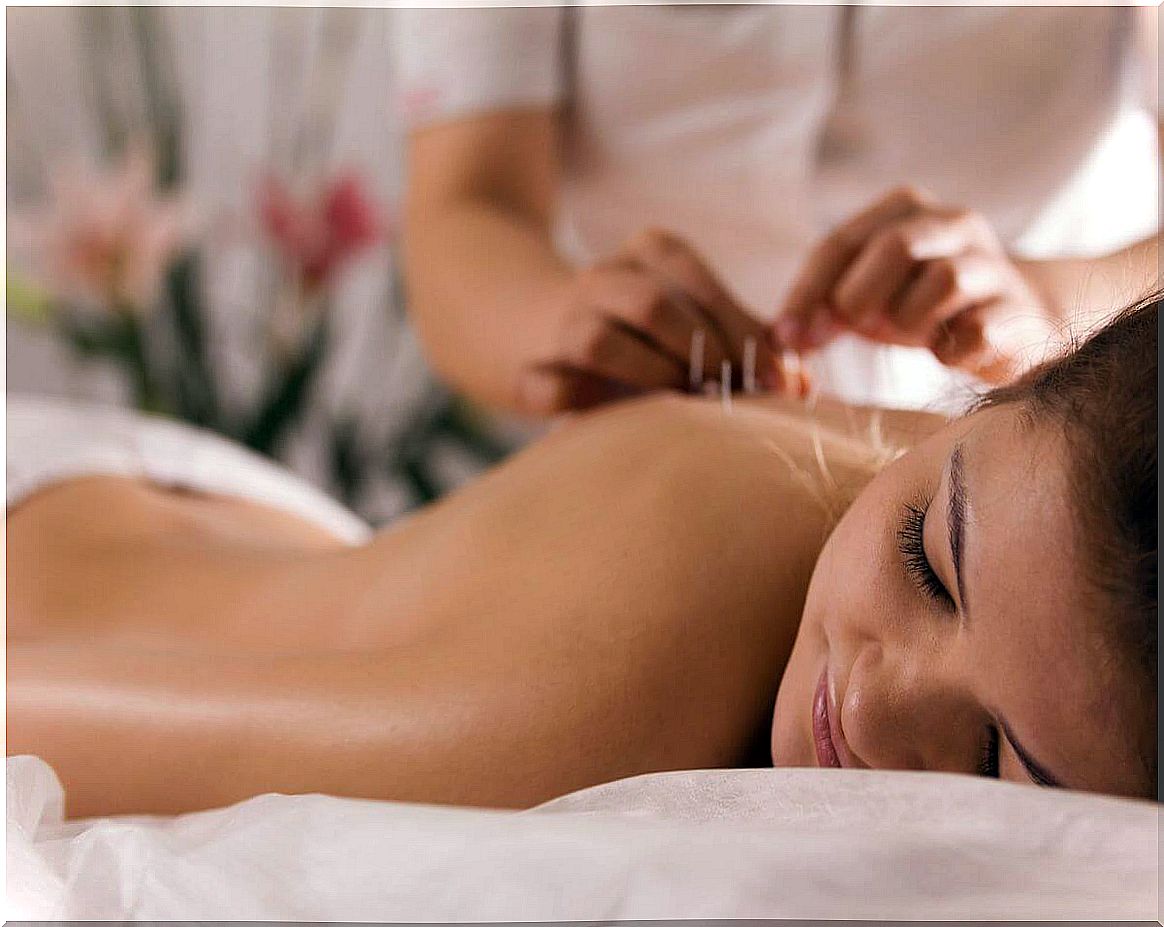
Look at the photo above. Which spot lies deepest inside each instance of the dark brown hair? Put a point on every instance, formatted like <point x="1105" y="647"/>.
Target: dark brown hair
<point x="1103" y="396"/>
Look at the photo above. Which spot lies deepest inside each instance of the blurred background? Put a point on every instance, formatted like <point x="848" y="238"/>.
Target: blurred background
<point x="202" y="222"/>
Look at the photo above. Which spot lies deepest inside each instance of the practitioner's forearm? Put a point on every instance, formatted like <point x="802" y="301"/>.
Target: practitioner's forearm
<point x="483" y="277"/>
<point x="484" y="283"/>
<point x="1084" y="292"/>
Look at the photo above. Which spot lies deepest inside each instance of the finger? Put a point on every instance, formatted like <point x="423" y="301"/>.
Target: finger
<point x="945" y="288"/>
<point x="606" y="348"/>
<point x="813" y="286"/>
<point x="793" y="379"/>
<point x="963" y="342"/>
<point x="627" y="290"/>
<point x="872" y="282"/>
<point x="674" y="261"/>
<point x="550" y="389"/>
<point x="805" y="333"/>
<point x="876" y="279"/>
<point x="688" y="284"/>
<point x="1000" y="337"/>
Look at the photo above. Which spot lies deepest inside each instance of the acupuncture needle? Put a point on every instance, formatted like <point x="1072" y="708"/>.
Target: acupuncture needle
<point x="725" y="385"/>
<point x="695" y="370"/>
<point x="749" y="365"/>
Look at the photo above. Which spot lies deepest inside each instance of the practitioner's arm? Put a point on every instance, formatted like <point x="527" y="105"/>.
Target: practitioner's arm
<point x="483" y="277"/>
<point x="508" y="321"/>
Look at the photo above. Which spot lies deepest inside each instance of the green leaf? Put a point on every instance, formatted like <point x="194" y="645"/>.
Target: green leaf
<point x="347" y="470"/>
<point x="421" y="483"/>
<point x="195" y="386"/>
<point x="466" y="424"/>
<point x="26" y="301"/>
<point x="287" y="393"/>
<point x="117" y="337"/>
<point x="106" y="336"/>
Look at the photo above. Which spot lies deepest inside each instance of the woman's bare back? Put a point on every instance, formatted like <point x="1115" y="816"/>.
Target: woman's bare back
<point x="618" y="598"/>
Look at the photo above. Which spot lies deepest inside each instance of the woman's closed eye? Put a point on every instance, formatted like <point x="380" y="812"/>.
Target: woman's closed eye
<point x="988" y="757"/>
<point x="911" y="543"/>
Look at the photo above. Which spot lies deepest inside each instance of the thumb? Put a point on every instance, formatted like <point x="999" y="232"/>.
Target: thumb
<point x="804" y="328"/>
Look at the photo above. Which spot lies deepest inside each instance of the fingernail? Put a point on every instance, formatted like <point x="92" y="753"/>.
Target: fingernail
<point x="789" y="330"/>
<point x="791" y="367"/>
<point x="820" y="330"/>
<point x="947" y="339"/>
<point x="868" y="324"/>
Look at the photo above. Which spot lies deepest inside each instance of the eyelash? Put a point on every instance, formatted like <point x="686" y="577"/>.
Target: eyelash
<point x="988" y="761"/>
<point x="910" y="542"/>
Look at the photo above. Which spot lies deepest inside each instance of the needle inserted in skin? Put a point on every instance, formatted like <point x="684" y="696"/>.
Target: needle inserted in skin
<point x="725" y="385"/>
<point x="749" y="365"/>
<point x="695" y="370"/>
<point x="793" y="373"/>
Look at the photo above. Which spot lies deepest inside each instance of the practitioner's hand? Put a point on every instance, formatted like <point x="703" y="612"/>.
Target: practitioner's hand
<point x="912" y="271"/>
<point x="626" y="326"/>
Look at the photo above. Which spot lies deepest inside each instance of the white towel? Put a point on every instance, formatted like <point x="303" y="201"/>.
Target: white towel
<point x="50" y="441"/>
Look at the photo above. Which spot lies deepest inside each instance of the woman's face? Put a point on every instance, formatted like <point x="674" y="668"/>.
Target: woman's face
<point x="948" y="626"/>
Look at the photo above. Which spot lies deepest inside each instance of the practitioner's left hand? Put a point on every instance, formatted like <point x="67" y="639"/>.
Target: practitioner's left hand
<point x="912" y="271"/>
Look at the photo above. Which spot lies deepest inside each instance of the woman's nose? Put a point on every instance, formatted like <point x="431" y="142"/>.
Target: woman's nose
<point x="902" y="709"/>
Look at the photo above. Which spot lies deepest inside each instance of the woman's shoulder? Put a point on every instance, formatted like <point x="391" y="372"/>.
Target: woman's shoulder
<point x="676" y="425"/>
<point x="878" y="426"/>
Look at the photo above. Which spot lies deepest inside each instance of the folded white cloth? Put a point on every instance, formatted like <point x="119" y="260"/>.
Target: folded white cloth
<point x="49" y="441"/>
<point x="788" y="843"/>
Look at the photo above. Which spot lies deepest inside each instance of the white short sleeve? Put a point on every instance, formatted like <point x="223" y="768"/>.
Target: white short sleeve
<point x="455" y="62"/>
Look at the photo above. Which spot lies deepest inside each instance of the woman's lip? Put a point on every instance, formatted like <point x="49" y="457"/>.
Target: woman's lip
<point x="822" y="725"/>
<point x="831" y="747"/>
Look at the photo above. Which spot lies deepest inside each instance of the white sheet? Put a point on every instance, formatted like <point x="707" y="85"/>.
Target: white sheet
<point x="745" y="843"/>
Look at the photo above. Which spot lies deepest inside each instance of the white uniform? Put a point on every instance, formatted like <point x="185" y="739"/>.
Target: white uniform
<point x="707" y="120"/>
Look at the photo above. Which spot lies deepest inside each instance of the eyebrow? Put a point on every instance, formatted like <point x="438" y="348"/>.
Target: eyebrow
<point x="1036" y="770"/>
<point x="956" y="520"/>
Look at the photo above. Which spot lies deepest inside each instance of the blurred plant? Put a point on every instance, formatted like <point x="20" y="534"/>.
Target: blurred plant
<point x="440" y="419"/>
<point x="25" y="300"/>
<point x="101" y="248"/>
<point x="108" y="236"/>
<point x="117" y="270"/>
<point x="115" y="264"/>
<point x="316" y="236"/>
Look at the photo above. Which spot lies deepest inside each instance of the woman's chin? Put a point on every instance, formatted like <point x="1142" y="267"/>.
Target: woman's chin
<point x="787" y="743"/>
<point x="786" y="753"/>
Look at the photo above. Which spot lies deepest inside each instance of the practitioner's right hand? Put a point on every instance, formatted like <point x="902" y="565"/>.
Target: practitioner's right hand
<point x="626" y="324"/>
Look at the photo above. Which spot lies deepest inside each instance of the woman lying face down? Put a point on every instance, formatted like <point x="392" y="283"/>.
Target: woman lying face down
<point x="632" y="594"/>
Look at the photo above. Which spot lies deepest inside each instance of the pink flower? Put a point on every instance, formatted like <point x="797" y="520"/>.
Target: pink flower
<point x="319" y="235"/>
<point x="105" y="238"/>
